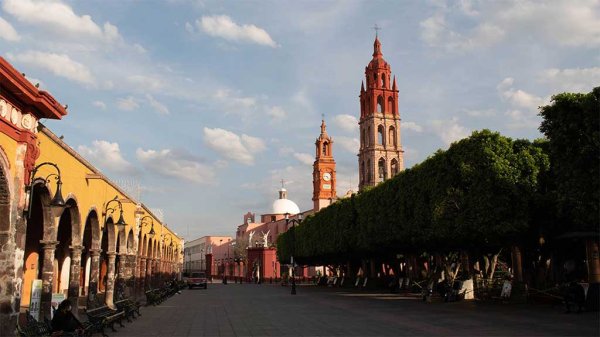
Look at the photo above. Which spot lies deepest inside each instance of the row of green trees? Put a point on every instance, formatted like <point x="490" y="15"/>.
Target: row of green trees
<point x="485" y="192"/>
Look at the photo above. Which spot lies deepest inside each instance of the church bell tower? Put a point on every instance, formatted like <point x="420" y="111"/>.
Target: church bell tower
<point x="380" y="156"/>
<point x="323" y="171"/>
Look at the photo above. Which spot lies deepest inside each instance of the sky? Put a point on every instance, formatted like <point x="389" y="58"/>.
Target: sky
<point x="200" y="108"/>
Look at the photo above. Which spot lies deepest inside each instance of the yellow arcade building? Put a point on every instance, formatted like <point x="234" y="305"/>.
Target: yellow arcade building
<point x="65" y="228"/>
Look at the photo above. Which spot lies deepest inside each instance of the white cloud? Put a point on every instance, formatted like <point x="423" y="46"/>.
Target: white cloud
<point x="59" y="17"/>
<point x="449" y="130"/>
<point x="175" y="164"/>
<point x="189" y="27"/>
<point x="523" y="105"/>
<point x="349" y="144"/>
<point x="128" y="104"/>
<point x="304" y="158"/>
<point x="8" y="32"/>
<point x="436" y="33"/>
<point x="107" y="155"/>
<point x="411" y="126"/>
<point x="144" y="83"/>
<point x="222" y="26"/>
<point x="517" y="97"/>
<point x="239" y="148"/>
<point x="277" y="113"/>
<point x="558" y="22"/>
<point x="139" y="48"/>
<point x="481" y="113"/>
<point x="346" y="122"/>
<point x="158" y="106"/>
<point x="58" y="64"/>
<point x="99" y="104"/>
<point x="233" y="102"/>
<point x="572" y="80"/>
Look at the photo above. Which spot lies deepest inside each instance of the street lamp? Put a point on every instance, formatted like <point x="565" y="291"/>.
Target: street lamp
<point x="232" y="266"/>
<point x="294" y="222"/>
<point x="110" y="210"/>
<point x="143" y="223"/>
<point x="57" y="203"/>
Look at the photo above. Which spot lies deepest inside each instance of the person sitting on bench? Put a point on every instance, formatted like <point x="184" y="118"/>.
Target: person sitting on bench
<point x="64" y="323"/>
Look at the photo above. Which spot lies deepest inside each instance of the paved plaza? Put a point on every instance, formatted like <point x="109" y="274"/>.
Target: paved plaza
<point x="270" y="310"/>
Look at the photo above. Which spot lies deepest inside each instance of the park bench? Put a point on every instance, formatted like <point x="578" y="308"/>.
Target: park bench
<point x="104" y="316"/>
<point x="152" y="297"/>
<point x="129" y="307"/>
<point x="34" y="328"/>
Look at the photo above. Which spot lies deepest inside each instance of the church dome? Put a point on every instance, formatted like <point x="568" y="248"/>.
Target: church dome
<point x="284" y="205"/>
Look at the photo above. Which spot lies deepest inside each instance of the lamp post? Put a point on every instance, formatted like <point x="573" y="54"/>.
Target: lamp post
<point x="110" y="210"/>
<point x="232" y="267"/>
<point x="57" y="203"/>
<point x="294" y="222"/>
<point x="143" y="223"/>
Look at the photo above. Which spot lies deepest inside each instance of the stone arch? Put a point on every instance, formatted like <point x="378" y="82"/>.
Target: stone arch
<point x="381" y="135"/>
<point x="362" y="171"/>
<point x="383" y="80"/>
<point x="394" y="166"/>
<point x="130" y="242"/>
<point x="381" y="169"/>
<point x="363" y="138"/>
<point x="380" y="104"/>
<point x="39" y="228"/>
<point x="392" y="136"/>
<point x="62" y="254"/>
<point x="90" y="241"/>
<point x="73" y="210"/>
<point x="390" y="105"/>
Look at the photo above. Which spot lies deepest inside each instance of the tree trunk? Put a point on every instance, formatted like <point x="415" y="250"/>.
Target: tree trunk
<point x="517" y="263"/>
<point x="593" y="261"/>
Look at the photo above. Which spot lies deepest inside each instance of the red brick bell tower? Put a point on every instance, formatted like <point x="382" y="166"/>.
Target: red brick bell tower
<point x="324" y="192"/>
<point x="380" y="156"/>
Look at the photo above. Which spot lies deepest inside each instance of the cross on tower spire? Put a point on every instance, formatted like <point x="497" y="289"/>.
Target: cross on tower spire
<point x="282" y="183"/>
<point x="377" y="29"/>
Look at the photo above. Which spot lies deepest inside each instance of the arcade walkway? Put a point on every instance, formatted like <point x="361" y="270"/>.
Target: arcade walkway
<point x="269" y="310"/>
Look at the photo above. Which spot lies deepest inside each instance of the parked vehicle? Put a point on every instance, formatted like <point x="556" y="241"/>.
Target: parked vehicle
<point x="197" y="279"/>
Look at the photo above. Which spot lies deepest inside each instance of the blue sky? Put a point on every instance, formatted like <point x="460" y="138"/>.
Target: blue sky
<point x="207" y="105"/>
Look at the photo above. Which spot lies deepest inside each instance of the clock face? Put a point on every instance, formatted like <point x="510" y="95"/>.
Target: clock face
<point x="326" y="176"/>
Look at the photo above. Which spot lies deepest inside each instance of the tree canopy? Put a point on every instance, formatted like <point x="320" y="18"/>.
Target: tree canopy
<point x="473" y="196"/>
<point x="571" y="123"/>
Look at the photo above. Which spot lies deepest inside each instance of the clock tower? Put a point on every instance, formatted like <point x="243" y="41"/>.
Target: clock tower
<point x="323" y="171"/>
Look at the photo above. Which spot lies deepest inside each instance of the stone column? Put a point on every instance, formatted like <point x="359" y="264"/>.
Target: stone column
<point x="149" y="273"/>
<point x="74" y="276"/>
<point x="121" y="275"/>
<point x="94" y="275"/>
<point x="110" y="279"/>
<point x="47" y="276"/>
<point x="129" y="275"/>
<point x="142" y="275"/>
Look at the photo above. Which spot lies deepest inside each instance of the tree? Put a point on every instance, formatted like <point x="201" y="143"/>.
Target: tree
<point x="572" y="126"/>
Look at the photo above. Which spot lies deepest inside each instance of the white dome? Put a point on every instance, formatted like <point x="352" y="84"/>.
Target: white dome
<point x="282" y="206"/>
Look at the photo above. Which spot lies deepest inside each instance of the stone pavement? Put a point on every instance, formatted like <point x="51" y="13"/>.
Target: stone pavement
<point x="270" y="310"/>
